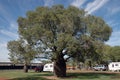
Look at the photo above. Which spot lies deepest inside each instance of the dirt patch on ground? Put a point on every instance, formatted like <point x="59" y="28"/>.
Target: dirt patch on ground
<point x="3" y="79"/>
<point x="115" y="77"/>
<point x="56" y="78"/>
<point x="50" y="77"/>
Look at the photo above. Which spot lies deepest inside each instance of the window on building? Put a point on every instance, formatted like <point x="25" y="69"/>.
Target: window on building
<point x="112" y="65"/>
<point x="51" y="65"/>
<point x="116" y="64"/>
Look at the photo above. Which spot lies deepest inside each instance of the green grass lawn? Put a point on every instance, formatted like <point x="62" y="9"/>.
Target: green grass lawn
<point x="31" y="75"/>
<point x="20" y="75"/>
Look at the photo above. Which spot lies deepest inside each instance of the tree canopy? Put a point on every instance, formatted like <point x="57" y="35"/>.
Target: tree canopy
<point x="20" y="53"/>
<point x="114" y="53"/>
<point x="62" y="28"/>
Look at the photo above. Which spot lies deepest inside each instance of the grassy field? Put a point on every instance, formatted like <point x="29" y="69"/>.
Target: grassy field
<point x="76" y="75"/>
<point x="20" y="75"/>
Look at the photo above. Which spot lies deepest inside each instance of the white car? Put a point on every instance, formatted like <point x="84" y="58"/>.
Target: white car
<point x="100" y="68"/>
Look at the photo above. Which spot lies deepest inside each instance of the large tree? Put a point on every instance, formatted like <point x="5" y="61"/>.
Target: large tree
<point x="20" y="52"/>
<point x="64" y="31"/>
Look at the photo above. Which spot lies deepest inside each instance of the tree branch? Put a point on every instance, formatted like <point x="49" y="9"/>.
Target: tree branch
<point x="70" y="57"/>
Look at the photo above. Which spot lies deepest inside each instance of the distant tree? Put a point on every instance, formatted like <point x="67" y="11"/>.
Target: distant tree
<point x="65" y="31"/>
<point x="106" y="54"/>
<point x="111" y="53"/>
<point x="20" y="53"/>
<point x="114" y="53"/>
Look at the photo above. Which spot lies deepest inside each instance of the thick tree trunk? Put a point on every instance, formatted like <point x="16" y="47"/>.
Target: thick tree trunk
<point x="60" y="67"/>
<point x="25" y="68"/>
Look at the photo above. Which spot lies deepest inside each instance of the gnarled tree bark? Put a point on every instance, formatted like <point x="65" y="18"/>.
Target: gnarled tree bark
<point x="60" y="67"/>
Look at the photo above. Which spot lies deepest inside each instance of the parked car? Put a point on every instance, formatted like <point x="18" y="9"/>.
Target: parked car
<point x="100" y="68"/>
<point x="38" y="69"/>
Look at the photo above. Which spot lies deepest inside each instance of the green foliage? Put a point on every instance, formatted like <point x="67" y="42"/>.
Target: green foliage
<point x="115" y="53"/>
<point x="20" y="52"/>
<point x="70" y="29"/>
<point x="106" y="53"/>
<point x="97" y="29"/>
<point x="111" y="53"/>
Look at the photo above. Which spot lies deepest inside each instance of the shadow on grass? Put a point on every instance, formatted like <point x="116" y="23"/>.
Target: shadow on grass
<point x="35" y="76"/>
<point x="91" y="75"/>
<point x="29" y="78"/>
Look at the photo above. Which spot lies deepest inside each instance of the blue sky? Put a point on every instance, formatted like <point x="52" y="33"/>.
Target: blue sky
<point x="10" y="10"/>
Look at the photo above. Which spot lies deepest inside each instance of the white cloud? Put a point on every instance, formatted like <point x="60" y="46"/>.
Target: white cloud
<point x="3" y="45"/>
<point x="6" y="15"/>
<point x="114" y="39"/>
<point x="95" y="5"/>
<point x="116" y="24"/>
<point x="113" y="10"/>
<point x="23" y="5"/>
<point x="9" y="34"/>
<point x="112" y="23"/>
<point x="3" y="52"/>
<point x="48" y="2"/>
<point x="78" y="3"/>
<point x="13" y="26"/>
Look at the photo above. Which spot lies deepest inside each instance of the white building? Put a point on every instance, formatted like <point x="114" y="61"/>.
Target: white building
<point x="114" y="66"/>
